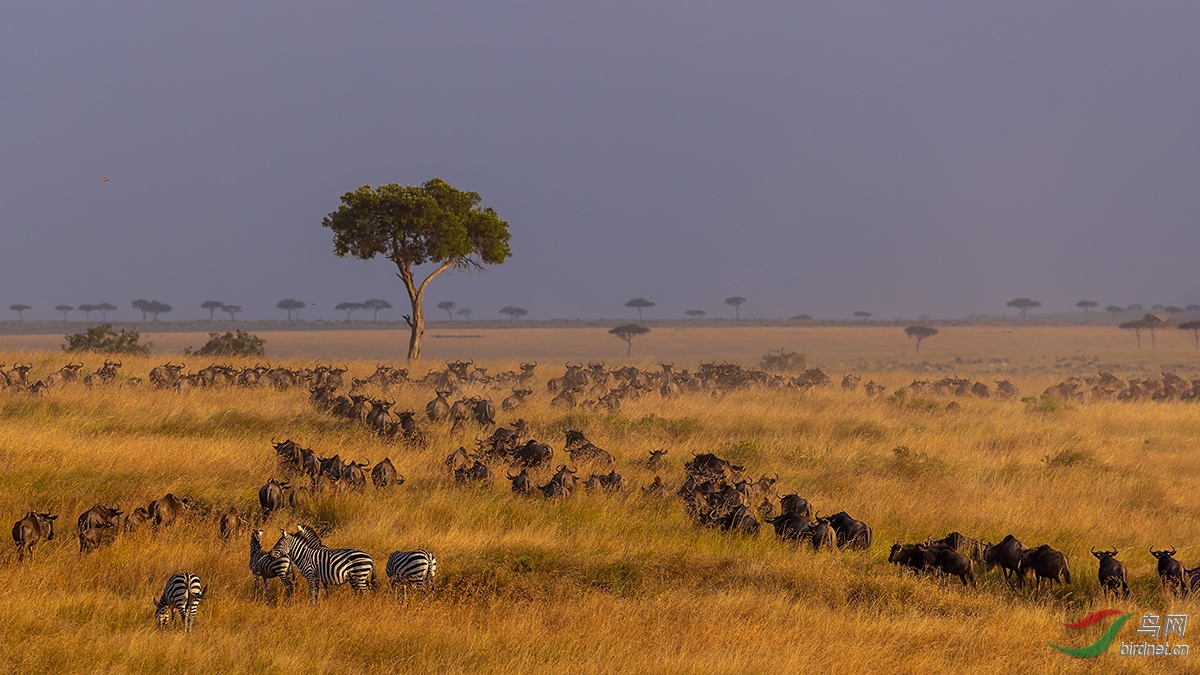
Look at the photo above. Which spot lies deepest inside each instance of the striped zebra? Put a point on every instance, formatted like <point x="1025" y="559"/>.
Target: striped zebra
<point x="322" y="565"/>
<point x="182" y="595"/>
<point x="412" y="568"/>
<point x="265" y="568"/>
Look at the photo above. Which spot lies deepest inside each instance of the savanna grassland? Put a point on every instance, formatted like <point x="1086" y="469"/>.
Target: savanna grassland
<point x="613" y="583"/>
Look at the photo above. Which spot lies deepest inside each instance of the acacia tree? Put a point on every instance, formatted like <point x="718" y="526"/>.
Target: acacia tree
<point x="20" y="310"/>
<point x="212" y="306"/>
<point x="155" y="308"/>
<point x="290" y="305"/>
<point x="514" y="313"/>
<point x="863" y="315"/>
<point x="1192" y="327"/>
<point x="232" y="311"/>
<point x="376" y="304"/>
<point x="104" y="308"/>
<point x="1135" y="327"/>
<point x="87" y="311"/>
<point x="465" y="313"/>
<point x="1085" y="305"/>
<point x="141" y="306"/>
<point x="414" y="225"/>
<point x="64" y="309"/>
<point x="1114" y="310"/>
<point x="448" y="306"/>
<point x="639" y="304"/>
<point x="1153" y="323"/>
<point x="627" y="332"/>
<point x="736" y="303"/>
<point x="348" y="308"/>
<point x="1023" y="304"/>
<point x="695" y="313"/>
<point x="920" y="332"/>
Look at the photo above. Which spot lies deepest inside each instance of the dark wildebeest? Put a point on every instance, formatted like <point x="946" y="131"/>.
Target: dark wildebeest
<point x="740" y="520"/>
<point x="476" y="472"/>
<point x="532" y="454"/>
<point x="554" y="489"/>
<point x="384" y="474"/>
<point x="520" y="482"/>
<point x="438" y="408"/>
<point x="789" y="526"/>
<point x="458" y="458"/>
<point x="656" y="459"/>
<point x="1112" y="573"/>
<point x="965" y="545"/>
<point x="484" y="412"/>
<point x="1170" y="571"/>
<point x="794" y="503"/>
<point x="93" y="537"/>
<point x="565" y="477"/>
<point x="231" y="524"/>
<point x="270" y="496"/>
<point x="353" y="476"/>
<point x="822" y="535"/>
<point x="99" y="516"/>
<point x="1046" y="563"/>
<point x="851" y="533"/>
<point x="911" y="556"/>
<point x="1007" y="555"/>
<point x="948" y="561"/>
<point x="164" y="511"/>
<point x="134" y="521"/>
<point x="611" y="481"/>
<point x="30" y="530"/>
<point x="657" y="488"/>
<point x="583" y="450"/>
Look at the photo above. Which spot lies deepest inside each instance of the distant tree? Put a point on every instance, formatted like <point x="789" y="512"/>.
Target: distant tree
<point x="627" y="332"/>
<point x="375" y="304"/>
<point x="1192" y="327"/>
<point x="920" y="333"/>
<point x="1135" y="327"/>
<point x="639" y="304"/>
<point x="1086" y="305"/>
<point x="104" y="309"/>
<point x="1023" y="304"/>
<point x="1153" y="323"/>
<point x="514" y="313"/>
<point x="20" y="310"/>
<point x="290" y="305"/>
<point x="1157" y="308"/>
<point x="801" y="317"/>
<point x="863" y="315"/>
<point x="413" y="225"/>
<point x="1135" y="308"/>
<point x="1172" y="310"/>
<point x="695" y="313"/>
<point x="1192" y="308"/>
<point x="448" y="306"/>
<point x="64" y="309"/>
<point x="232" y="311"/>
<point x="465" y="313"/>
<point x="141" y="305"/>
<point x="349" y="308"/>
<point x="212" y="306"/>
<point x="1114" y="310"/>
<point x="736" y="303"/>
<point x="87" y="311"/>
<point x="155" y="308"/>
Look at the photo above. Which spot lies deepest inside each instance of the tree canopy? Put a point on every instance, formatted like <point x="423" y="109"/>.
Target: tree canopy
<point x="736" y="302"/>
<point x="695" y="313"/>
<point x="448" y="307"/>
<point x="232" y="311"/>
<point x="627" y="332"/>
<point x="920" y="332"/>
<point x="863" y="315"/>
<point x="87" y="311"/>
<point x="414" y="225"/>
<point x="152" y="307"/>
<point x="1192" y="327"/>
<point x="104" y="308"/>
<point x="1114" y="310"/>
<point x="64" y="309"/>
<point x="348" y="308"/>
<point x="290" y="305"/>
<point x="514" y="313"/>
<point x="1085" y="305"/>
<point x="212" y="306"/>
<point x="639" y="304"/>
<point x="465" y="313"/>
<point x="20" y="310"/>
<point x="1023" y="304"/>
<point x="376" y="304"/>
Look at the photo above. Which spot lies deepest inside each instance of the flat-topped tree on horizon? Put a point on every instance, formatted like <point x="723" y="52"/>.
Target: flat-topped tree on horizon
<point x="64" y="309"/>
<point x="349" y="308"/>
<point x="1114" y="310"/>
<point x="1192" y="327"/>
<point x="920" y="332"/>
<point x="695" y="313"/>
<point x="863" y="315"/>
<point x="212" y="306"/>
<point x="448" y="307"/>
<point x="1153" y="323"/>
<point x="465" y="313"/>
<point x="104" y="308"/>
<point x="376" y="304"/>
<point x="232" y="311"/>
<point x="414" y="225"/>
<point x="1085" y="305"/>
<point x="736" y="302"/>
<point x="20" y="310"/>
<point x="628" y="332"/>
<point x="1023" y="304"/>
<point x="290" y="305"/>
<point x="639" y="304"/>
<point x="514" y="313"/>
<point x="1135" y="327"/>
<point x="87" y="311"/>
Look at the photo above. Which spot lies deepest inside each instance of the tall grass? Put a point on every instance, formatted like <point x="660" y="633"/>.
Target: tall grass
<point x="595" y="583"/>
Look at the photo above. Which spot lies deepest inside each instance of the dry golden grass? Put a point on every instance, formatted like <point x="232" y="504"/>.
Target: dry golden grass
<point x="596" y="583"/>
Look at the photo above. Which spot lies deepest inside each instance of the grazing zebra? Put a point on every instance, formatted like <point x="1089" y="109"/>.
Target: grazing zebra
<point x="412" y="568"/>
<point x="182" y="595"/>
<point x="322" y="565"/>
<point x="264" y="567"/>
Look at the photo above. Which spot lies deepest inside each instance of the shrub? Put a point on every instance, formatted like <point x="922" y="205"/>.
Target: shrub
<point x="779" y="360"/>
<point x="104" y="340"/>
<point x="231" y="344"/>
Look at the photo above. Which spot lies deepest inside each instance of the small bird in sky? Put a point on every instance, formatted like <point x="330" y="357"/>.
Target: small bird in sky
<point x="106" y="179"/>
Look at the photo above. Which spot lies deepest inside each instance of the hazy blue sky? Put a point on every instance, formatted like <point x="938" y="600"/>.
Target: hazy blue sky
<point x="901" y="158"/>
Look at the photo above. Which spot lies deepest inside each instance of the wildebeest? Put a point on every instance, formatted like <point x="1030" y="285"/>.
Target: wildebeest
<point x="657" y="488"/>
<point x="1046" y="563"/>
<point x="353" y="476"/>
<point x="135" y="520"/>
<point x="583" y="450"/>
<point x="822" y="535"/>
<point x="656" y="458"/>
<point x="794" y="503"/>
<point x="565" y="477"/>
<point x="166" y="375"/>
<point x="740" y="520"/>
<point x="516" y="400"/>
<point x="474" y="473"/>
<point x="532" y="454"/>
<point x="520" y="482"/>
<point x="1006" y="555"/>
<point x="790" y="526"/>
<point x="948" y="561"/>
<point x="1170" y="571"/>
<point x="612" y="481"/>
<point x="908" y="555"/>
<point x="93" y="537"/>
<point x="31" y="529"/>
<point x="438" y="408"/>
<point x="65" y="375"/>
<point x="484" y="412"/>
<point x="965" y="545"/>
<point x="164" y="511"/>
<point x="1112" y="572"/>
<point x="384" y="474"/>
<point x="709" y="465"/>
<point x="851" y="533"/>
<point x="99" y="516"/>
<point x="231" y="524"/>
<point x="270" y="496"/>
<point x="554" y="489"/>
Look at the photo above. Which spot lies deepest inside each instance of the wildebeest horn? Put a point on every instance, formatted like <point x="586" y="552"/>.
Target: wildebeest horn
<point x="510" y="476"/>
<point x="1093" y="550"/>
<point x="1172" y="551"/>
<point x="1114" y="552"/>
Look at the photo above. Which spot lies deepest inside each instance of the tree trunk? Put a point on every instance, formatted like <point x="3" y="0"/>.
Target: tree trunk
<point x="737" y="312"/>
<point x="918" y="345"/>
<point x="416" y="296"/>
<point x="639" y="309"/>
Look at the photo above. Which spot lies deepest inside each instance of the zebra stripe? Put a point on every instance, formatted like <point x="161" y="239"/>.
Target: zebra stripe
<point x="182" y="595"/>
<point x="264" y="567"/>
<point x="415" y="568"/>
<point x="326" y="566"/>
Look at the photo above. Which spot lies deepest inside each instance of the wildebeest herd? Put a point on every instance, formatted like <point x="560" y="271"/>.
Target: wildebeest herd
<point x="714" y="491"/>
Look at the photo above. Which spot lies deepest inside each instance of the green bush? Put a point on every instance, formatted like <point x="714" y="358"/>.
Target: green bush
<point x="104" y="340"/>
<point x="231" y="344"/>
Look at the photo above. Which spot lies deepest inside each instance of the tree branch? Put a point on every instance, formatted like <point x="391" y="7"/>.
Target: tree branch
<point x="445" y="266"/>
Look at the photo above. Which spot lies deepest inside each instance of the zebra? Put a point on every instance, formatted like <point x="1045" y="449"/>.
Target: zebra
<point x="412" y="568"/>
<point x="182" y="594"/>
<point x="265" y="567"/>
<point x="322" y="565"/>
